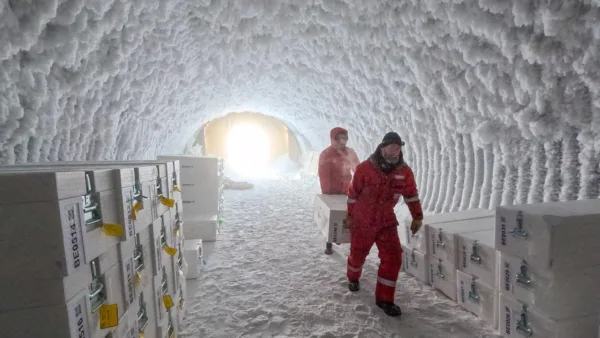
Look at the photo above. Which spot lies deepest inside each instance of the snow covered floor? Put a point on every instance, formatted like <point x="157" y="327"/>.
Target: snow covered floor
<point x="267" y="276"/>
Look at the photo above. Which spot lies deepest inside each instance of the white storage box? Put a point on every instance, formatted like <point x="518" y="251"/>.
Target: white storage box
<point x="48" y="235"/>
<point x="192" y="253"/>
<point x="419" y="240"/>
<point x="444" y="236"/>
<point x="104" y="286"/>
<point x="40" y="186"/>
<point x="28" y="292"/>
<point x="477" y="297"/>
<point x="443" y="277"/>
<point x="159" y="287"/>
<point x="145" y="313"/>
<point x="203" y="227"/>
<point x="176" y="264"/>
<point x="127" y="327"/>
<point x="416" y="264"/>
<point x="200" y="180"/>
<point x="551" y="235"/>
<point x="557" y="294"/>
<point x="158" y="254"/>
<point x="477" y="255"/>
<point x="518" y="320"/>
<point x="181" y="305"/>
<point x="330" y="213"/>
<point x="100" y="179"/>
<point x="70" y="320"/>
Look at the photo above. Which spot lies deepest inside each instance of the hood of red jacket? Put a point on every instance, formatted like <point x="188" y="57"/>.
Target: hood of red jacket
<point x="335" y="132"/>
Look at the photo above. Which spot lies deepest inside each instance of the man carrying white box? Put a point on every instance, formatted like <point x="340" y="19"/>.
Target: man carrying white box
<point x="375" y="190"/>
<point x="336" y="164"/>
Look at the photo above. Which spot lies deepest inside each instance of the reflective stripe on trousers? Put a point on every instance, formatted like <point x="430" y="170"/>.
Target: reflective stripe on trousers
<point x="353" y="269"/>
<point x="386" y="282"/>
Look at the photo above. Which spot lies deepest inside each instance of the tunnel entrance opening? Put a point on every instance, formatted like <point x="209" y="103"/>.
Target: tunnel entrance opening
<point x="254" y="145"/>
<point x="248" y="149"/>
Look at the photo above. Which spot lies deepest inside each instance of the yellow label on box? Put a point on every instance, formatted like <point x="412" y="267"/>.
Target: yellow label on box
<point x="176" y="188"/>
<point x="139" y="279"/>
<point x="170" y="251"/>
<point x="167" y="202"/>
<point x="138" y="206"/>
<point x="109" y="316"/>
<point x="168" y="302"/>
<point x="112" y="229"/>
<point x="142" y="335"/>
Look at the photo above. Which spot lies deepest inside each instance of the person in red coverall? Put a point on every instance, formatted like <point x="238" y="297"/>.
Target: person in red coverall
<point x="376" y="188"/>
<point x="336" y="164"/>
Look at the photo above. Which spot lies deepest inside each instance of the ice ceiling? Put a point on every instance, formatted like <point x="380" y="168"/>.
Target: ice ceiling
<point x="498" y="100"/>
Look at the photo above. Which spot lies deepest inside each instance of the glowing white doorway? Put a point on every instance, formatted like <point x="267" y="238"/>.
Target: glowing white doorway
<point x="248" y="150"/>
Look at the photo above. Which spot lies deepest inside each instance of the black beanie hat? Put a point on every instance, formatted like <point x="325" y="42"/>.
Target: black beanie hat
<point x="391" y="138"/>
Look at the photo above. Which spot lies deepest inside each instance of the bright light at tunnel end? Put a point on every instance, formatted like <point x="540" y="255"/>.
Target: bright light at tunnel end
<point x="248" y="150"/>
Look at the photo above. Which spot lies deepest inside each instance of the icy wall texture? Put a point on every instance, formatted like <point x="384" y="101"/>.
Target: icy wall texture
<point x="498" y="100"/>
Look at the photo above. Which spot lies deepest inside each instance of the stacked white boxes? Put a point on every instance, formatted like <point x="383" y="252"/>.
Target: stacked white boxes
<point x="476" y="283"/>
<point x="89" y="234"/>
<point x="330" y="216"/>
<point x="416" y="248"/>
<point x="202" y="182"/>
<point x="443" y="244"/>
<point x="549" y="269"/>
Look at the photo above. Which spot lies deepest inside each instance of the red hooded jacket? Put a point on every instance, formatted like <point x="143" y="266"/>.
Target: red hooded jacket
<point x="374" y="194"/>
<point x="336" y="166"/>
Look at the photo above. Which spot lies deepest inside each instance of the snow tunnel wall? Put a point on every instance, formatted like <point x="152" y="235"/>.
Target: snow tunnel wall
<point x="498" y="100"/>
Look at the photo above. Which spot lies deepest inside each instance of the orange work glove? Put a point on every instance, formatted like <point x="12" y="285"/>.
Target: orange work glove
<point x="416" y="225"/>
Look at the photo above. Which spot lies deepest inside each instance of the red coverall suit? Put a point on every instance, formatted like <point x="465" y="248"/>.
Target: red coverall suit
<point x="336" y="166"/>
<point x="371" y="200"/>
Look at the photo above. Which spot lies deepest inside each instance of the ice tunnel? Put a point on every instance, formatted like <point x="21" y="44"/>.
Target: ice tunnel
<point x="498" y="101"/>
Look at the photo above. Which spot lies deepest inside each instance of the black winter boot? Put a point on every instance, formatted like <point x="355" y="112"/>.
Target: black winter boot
<point x="353" y="285"/>
<point x="390" y="309"/>
<point x="329" y="249"/>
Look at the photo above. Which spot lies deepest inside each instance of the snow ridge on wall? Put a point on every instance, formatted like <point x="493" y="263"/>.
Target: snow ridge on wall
<point x="499" y="99"/>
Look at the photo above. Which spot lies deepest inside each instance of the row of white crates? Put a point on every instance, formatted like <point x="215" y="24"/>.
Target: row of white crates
<point x="102" y="254"/>
<point x="527" y="270"/>
<point x="202" y="181"/>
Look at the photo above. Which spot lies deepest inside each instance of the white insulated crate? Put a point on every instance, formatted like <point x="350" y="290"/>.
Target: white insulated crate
<point x="98" y="186"/>
<point x="159" y="257"/>
<point x="26" y="291"/>
<point x="419" y="240"/>
<point x="477" y="297"/>
<point x="182" y="301"/>
<point x="443" y="237"/>
<point x="49" y="236"/>
<point x="192" y="253"/>
<point x="551" y="235"/>
<point x="202" y="227"/>
<point x="478" y="257"/>
<point x="330" y="213"/>
<point x="28" y="187"/>
<point x="517" y="320"/>
<point x="442" y="275"/>
<point x="145" y="312"/>
<point x="69" y="317"/>
<point x="558" y="294"/>
<point x="127" y="327"/>
<point x="70" y="320"/>
<point x="415" y="263"/>
<point x="200" y="182"/>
